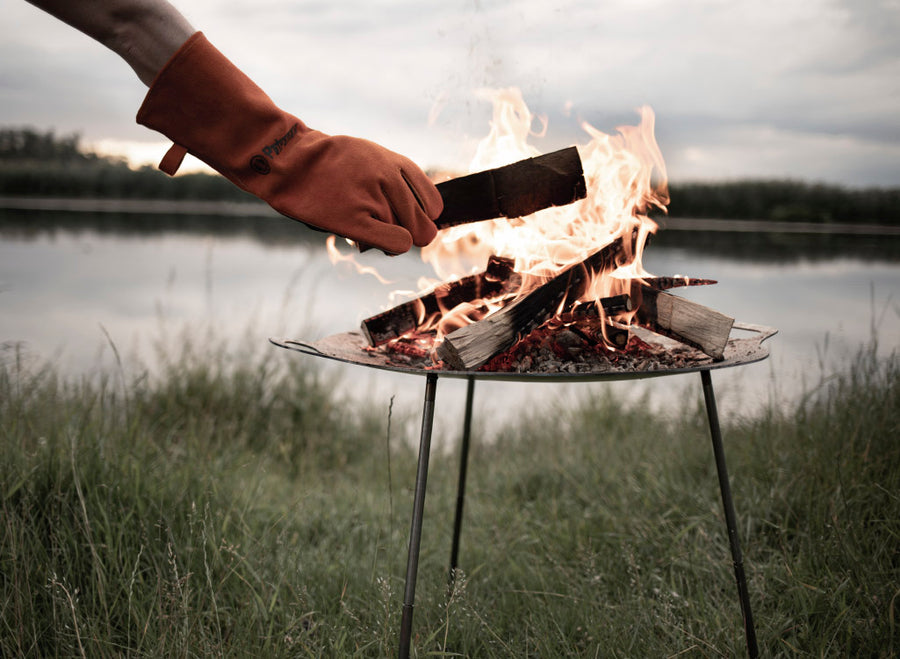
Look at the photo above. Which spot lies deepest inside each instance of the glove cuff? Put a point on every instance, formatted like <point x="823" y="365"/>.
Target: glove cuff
<point x="211" y="109"/>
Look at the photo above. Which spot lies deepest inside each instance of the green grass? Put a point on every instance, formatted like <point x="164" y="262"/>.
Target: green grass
<point x="239" y="508"/>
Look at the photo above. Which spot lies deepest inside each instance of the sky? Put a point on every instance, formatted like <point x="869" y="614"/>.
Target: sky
<point x="800" y="89"/>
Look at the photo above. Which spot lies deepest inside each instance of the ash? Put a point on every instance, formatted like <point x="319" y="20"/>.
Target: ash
<point x="549" y="349"/>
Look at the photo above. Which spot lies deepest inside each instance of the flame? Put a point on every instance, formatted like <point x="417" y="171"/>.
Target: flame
<point x="334" y="254"/>
<point x="625" y="176"/>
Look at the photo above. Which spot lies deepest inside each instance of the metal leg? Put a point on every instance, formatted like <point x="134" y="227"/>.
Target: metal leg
<point x="461" y="487"/>
<point x="415" y="532"/>
<point x="730" y="517"/>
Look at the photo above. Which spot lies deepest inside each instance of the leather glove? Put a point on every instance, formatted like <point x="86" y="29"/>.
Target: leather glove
<point x="344" y="185"/>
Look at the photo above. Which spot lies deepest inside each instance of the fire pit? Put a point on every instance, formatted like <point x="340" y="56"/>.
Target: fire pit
<point x="351" y="348"/>
<point x="641" y="353"/>
<point x="563" y="297"/>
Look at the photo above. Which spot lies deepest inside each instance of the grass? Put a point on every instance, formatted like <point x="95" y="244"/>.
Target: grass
<point x="236" y="508"/>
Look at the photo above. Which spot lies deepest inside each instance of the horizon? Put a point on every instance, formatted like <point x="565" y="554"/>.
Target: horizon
<point x="148" y="155"/>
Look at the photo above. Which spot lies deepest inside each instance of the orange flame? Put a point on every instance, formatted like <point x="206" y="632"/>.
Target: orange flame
<point x="625" y="176"/>
<point x="335" y="256"/>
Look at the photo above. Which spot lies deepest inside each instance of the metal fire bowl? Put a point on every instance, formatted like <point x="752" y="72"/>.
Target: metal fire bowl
<point x="350" y="348"/>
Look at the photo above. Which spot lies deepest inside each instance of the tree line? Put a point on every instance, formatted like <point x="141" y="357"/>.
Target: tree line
<point x="34" y="163"/>
<point x="785" y="200"/>
<point x="43" y="164"/>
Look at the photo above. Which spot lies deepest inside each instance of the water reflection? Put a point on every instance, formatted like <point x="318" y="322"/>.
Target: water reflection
<point x="766" y="247"/>
<point x="265" y="226"/>
<point x="70" y="284"/>
<point x="269" y="228"/>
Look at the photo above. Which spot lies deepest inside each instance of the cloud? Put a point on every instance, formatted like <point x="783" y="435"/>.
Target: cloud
<point x="729" y="81"/>
<point x="766" y="152"/>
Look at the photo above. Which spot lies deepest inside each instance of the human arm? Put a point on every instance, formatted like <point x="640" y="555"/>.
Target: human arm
<point x="144" y="33"/>
<point x="209" y="108"/>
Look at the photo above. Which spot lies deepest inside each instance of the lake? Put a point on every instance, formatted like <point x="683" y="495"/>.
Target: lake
<point x="73" y="285"/>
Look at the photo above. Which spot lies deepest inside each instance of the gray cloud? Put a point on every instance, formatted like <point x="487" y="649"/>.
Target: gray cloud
<point x="808" y="90"/>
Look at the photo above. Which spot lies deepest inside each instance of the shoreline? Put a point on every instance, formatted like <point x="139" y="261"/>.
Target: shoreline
<point x="142" y="206"/>
<point x="260" y="209"/>
<point x="774" y="226"/>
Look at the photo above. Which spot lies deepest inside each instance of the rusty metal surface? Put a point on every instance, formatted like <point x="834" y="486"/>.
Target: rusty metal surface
<point x="350" y="348"/>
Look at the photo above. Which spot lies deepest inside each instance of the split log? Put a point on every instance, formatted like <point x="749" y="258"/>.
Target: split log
<point x="498" y="278"/>
<point x="472" y="346"/>
<point x="683" y="320"/>
<point x="665" y="283"/>
<point x="515" y="190"/>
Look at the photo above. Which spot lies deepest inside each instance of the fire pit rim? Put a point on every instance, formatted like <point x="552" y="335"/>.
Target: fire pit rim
<point x="739" y="352"/>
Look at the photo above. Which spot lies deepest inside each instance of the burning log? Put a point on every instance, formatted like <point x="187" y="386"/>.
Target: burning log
<point x="591" y="320"/>
<point x="472" y="346"/>
<point x="665" y="283"/>
<point x="613" y="335"/>
<point x="617" y="335"/>
<point x="498" y="278"/>
<point x="515" y="190"/>
<point x="683" y="320"/>
<point x="610" y="305"/>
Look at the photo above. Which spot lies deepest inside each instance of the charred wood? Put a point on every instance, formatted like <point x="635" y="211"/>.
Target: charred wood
<point x="607" y="333"/>
<point x="497" y="278"/>
<point x="665" y="283"/>
<point x="515" y="190"/>
<point x="610" y="305"/>
<point x="473" y="345"/>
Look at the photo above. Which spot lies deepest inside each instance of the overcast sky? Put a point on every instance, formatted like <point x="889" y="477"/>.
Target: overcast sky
<point x="765" y="88"/>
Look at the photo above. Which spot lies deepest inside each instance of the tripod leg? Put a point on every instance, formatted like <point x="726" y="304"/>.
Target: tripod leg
<point x="730" y="517"/>
<point x="415" y="532"/>
<point x="461" y="487"/>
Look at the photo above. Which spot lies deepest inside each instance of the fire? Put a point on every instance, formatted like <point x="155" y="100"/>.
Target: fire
<point x="625" y="176"/>
<point x="335" y="256"/>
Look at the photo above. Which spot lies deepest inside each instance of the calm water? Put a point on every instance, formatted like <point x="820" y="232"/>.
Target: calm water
<point x="67" y="293"/>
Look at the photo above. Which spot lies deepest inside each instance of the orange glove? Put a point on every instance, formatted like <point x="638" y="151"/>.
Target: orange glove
<point x="343" y="185"/>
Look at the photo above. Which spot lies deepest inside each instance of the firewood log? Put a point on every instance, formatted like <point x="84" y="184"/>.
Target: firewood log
<point x="397" y="321"/>
<point x="472" y="346"/>
<point x="684" y="320"/>
<point x="515" y="190"/>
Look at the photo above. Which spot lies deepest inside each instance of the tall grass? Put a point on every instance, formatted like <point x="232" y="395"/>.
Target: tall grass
<point x="244" y="508"/>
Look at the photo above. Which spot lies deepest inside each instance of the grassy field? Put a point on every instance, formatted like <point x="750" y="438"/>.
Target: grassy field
<point x="244" y="509"/>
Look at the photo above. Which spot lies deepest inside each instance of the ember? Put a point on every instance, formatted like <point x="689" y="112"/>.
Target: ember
<point x="547" y="350"/>
<point x="579" y="347"/>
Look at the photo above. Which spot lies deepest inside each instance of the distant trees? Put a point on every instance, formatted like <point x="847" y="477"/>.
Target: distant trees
<point x="784" y="201"/>
<point x="27" y="144"/>
<point x="44" y="164"/>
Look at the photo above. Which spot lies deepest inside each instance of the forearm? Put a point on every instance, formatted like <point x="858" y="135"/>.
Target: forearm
<point x="208" y="107"/>
<point x="145" y="33"/>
